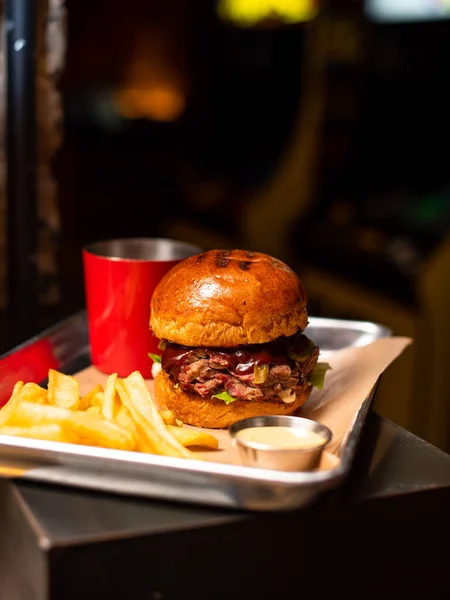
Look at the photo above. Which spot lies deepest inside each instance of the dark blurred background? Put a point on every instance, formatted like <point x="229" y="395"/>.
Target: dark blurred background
<point x="317" y="132"/>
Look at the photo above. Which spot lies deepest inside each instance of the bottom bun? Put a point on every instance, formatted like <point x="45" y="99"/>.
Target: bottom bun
<point x="212" y="413"/>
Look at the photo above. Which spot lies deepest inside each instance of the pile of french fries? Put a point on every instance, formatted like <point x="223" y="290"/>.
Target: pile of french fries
<point x="121" y="415"/>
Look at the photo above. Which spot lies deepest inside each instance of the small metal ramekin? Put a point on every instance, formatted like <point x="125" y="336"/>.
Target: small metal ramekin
<point x="285" y="459"/>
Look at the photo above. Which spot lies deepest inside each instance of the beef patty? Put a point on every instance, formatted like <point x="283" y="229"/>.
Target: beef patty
<point x="254" y="372"/>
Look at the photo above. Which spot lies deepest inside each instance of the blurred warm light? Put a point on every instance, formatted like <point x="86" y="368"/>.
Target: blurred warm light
<point x="247" y="13"/>
<point x="154" y="85"/>
<point x="161" y="102"/>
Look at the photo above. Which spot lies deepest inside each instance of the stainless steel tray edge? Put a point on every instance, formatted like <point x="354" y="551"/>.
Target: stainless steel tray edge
<point x="161" y="477"/>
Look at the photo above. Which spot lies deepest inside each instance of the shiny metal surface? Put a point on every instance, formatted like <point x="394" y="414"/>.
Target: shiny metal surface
<point x="335" y="334"/>
<point x="131" y="546"/>
<point x="153" y="249"/>
<point x="285" y="459"/>
<point x="170" y="478"/>
<point x="391" y="462"/>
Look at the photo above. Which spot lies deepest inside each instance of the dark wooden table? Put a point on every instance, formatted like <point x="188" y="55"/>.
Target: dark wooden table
<point x="385" y="533"/>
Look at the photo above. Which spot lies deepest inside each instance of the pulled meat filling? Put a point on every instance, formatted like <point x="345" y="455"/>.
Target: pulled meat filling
<point x="283" y="364"/>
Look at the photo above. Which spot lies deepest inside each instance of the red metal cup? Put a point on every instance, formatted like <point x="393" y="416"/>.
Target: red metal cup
<point x="120" y="277"/>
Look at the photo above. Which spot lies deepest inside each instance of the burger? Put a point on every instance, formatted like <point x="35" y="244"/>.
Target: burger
<point x="230" y="325"/>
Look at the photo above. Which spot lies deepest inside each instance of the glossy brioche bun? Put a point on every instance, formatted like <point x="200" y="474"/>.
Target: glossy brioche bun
<point x="213" y="413"/>
<point x="227" y="298"/>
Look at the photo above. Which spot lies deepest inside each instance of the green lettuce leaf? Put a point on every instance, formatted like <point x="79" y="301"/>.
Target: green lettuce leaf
<point x="317" y="377"/>
<point x="155" y="357"/>
<point x="225" y="396"/>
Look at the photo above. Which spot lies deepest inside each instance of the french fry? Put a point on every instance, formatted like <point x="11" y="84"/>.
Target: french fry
<point x="63" y="390"/>
<point x="85" y="401"/>
<point x="192" y="437"/>
<point x="17" y="387"/>
<point x="97" y="399"/>
<point x="125" y="420"/>
<point x="90" y="428"/>
<point x="121" y="415"/>
<point x="168" y="417"/>
<point x="109" y="406"/>
<point x="30" y="392"/>
<point x="51" y="432"/>
<point x="135" y="396"/>
<point x="7" y="411"/>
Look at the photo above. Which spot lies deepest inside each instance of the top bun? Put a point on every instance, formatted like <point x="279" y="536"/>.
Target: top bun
<point x="227" y="298"/>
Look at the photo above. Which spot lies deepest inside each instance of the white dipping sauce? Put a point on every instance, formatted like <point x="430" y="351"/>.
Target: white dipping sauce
<point x="287" y="438"/>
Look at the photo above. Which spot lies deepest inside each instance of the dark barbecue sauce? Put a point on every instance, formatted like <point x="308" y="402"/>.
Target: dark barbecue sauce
<point x="240" y="360"/>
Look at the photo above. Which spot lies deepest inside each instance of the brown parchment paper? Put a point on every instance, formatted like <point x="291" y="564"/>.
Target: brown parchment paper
<point x="354" y="373"/>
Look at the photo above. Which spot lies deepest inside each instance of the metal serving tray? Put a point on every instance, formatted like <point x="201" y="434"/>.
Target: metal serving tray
<point x="66" y="347"/>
